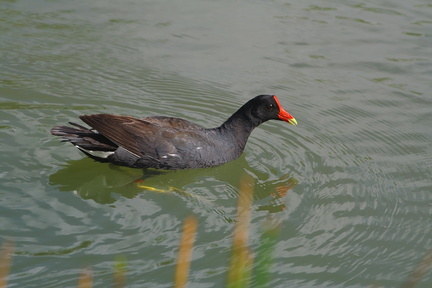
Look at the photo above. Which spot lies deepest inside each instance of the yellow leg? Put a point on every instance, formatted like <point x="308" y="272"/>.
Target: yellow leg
<point x="153" y="189"/>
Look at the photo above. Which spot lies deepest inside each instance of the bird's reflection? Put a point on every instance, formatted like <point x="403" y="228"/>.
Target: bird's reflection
<point x="104" y="183"/>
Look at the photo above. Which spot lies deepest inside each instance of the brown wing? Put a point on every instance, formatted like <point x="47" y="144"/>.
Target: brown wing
<point x="152" y="136"/>
<point x="122" y="130"/>
<point x="172" y="122"/>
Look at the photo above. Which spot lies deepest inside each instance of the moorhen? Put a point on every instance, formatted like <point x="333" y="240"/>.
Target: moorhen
<point x="170" y="143"/>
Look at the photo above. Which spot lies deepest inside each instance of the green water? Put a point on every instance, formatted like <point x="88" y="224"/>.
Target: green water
<point x="350" y="186"/>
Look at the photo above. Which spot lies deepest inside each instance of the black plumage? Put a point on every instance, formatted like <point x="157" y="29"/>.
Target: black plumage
<point x="170" y="143"/>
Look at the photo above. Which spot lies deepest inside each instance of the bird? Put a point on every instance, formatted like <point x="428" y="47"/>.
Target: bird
<point x="170" y="143"/>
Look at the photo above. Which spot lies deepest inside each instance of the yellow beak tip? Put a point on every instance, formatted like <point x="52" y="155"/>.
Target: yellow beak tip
<point x="292" y="121"/>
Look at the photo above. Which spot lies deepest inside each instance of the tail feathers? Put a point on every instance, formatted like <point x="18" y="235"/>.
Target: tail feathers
<point x="84" y="138"/>
<point x="69" y="131"/>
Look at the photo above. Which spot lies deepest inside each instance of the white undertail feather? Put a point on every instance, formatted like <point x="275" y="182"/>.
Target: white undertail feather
<point x="98" y="154"/>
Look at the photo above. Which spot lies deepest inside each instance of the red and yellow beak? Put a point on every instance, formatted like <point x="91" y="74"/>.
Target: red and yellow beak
<point x="284" y="115"/>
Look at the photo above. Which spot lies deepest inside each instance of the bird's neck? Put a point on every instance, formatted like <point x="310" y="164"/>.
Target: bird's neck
<point x="238" y="127"/>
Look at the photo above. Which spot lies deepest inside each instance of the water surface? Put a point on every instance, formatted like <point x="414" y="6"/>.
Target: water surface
<point x="350" y="186"/>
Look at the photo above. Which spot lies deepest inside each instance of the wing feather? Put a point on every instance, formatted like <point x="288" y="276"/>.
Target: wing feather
<point x="122" y="130"/>
<point x="153" y="136"/>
